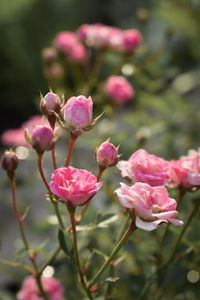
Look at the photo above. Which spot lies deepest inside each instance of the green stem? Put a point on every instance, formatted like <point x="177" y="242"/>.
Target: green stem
<point x="25" y="241"/>
<point x="71" y="148"/>
<point x="59" y="217"/>
<point x="123" y="240"/>
<point x="95" y="72"/>
<point x="193" y="213"/>
<point x="17" y="265"/>
<point x="71" y="210"/>
<point x="50" y="259"/>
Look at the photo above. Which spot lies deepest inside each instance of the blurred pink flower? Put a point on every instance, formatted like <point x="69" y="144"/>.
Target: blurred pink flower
<point x="118" y="89"/>
<point x="152" y="205"/>
<point x="132" y="39"/>
<point x="74" y="185"/>
<point x="144" y="167"/>
<point x="64" y="40"/>
<point x="30" y="290"/>
<point x="15" y="137"/>
<point x="77" y="112"/>
<point x="78" y="53"/>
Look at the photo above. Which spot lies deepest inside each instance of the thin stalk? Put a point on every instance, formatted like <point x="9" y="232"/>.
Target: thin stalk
<point x="124" y="225"/>
<point x="58" y="215"/>
<point x="50" y="259"/>
<point x="119" y="245"/>
<point x="71" y="148"/>
<point x="109" y="284"/>
<point x="193" y="213"/>
<point x="53" y="154"/>
<point x="17" y="265"/>
<point x="42" y="173"/>
<point x="76" y="255"/>
<point x="25" y="241"/>
<point x="96" y="70"/>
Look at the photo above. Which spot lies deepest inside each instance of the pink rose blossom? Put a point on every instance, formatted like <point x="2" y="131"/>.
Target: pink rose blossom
<point x="152" y="205"/>
<point x="97" y="36"/>
<point x="132" y="39"/>
<point x="82" y="32"/>
<point x="144" y="167"/>
<point x="64" y="40"/>
<point x="107" y="154"/>
<point x="118" y="89"/>
<point x="15" y="137"/>
<point x="115" y="40"/>
<point x="74" y="185"/>
<point x="77" y="112"/>
<point x="30" y="290"/>
<point x="194" y="171"/>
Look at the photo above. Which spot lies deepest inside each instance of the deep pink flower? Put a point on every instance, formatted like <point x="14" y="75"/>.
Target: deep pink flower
<point x="64" y="40"/>
<point x="30" y="290"/>
<point x="15" y="137"/>
<point x="107" y="154"/>
<point x="152" y="205"/>
<point x="74" y="185"/>
<point x="118" y="89"/>
<point x="77" y="112"/>
<point x="132" y="39"/>
<point x="144" y="167"/>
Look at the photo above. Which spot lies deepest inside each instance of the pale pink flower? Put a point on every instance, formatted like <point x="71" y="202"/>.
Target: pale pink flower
<point x="77" y="112"/>
<point x="64" y="40"/>
<point x="97" y="36"/>
<point x="30" y="290"/>
<point x="74" y="185"/>
<point x="194" y="171"/>
<point x="132" y="39"/>
<point x="15" y="137"/>
<point x="115" y="39"/>
<point x="118" y="89"/>
<point x="152" y="205"/>
<point x="78" y="53"/>
<point x="144" y="167"/>
<point x="107" y="154"/>
<point x="50" y="102"/>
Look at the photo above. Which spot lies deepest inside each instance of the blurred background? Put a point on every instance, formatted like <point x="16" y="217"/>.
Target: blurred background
<point x="165" y="111"/>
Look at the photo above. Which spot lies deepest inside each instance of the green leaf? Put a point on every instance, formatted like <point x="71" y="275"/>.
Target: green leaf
<point x="100" y="253"/>
<point x="105" y="223"/>
<point x="66" y="243"/>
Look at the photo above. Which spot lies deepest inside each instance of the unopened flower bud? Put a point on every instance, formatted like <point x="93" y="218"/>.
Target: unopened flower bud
<point x="107" y="154"/>
<point x="77" y="113"/>
<point x="9" y="162"/>
<point x="132" y="39"/>
<point x="49" y="104"/>
<point x="42" y="139"/>
<point x="49" y="55"/>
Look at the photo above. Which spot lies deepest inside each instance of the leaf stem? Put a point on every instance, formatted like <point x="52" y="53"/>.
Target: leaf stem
<point x="123" y="240"/>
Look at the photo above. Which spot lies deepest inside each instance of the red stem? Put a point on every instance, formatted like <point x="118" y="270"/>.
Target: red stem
<point x="42" y="173"/>
<point x="53" y="154"/>
<point x="71" y="148"/>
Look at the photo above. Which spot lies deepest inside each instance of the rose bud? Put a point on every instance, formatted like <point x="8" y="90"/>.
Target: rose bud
<point x="49" y="55"/>
<point x="77" y="113"/>
<point x="9" y="162"/>
<point x="49" y="104"/>
<point x="107" y="154"/>
<point x="42" y="139"/>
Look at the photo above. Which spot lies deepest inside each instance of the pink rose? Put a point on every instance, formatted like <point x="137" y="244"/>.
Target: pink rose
<point x="82" y="32"/>
<point x="74" y="185"/>
<point x="107" y="154"/>
<point x="194" y="171"/>
<point x="118" y="89"/>
<point x="152" y="205"/>
<point x="115" y="39"/>
<point x="31" y="291"/>
<point x="132" y="39"/>
<point x="77" y="112"/>
<point x="144" y="167"/>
